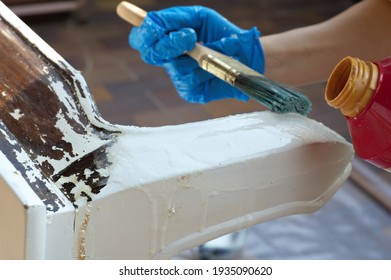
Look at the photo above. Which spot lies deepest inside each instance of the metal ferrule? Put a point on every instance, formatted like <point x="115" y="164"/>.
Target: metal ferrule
<point x="219" y="68"/>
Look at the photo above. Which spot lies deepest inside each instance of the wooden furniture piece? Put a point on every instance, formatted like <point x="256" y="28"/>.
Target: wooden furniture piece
<point x="73" y="186"/>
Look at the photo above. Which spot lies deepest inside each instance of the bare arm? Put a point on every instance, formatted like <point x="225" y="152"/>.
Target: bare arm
<point x="309" y="54"/>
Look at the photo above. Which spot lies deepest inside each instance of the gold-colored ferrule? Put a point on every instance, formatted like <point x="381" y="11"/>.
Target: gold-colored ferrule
<point x="219" y="68"/>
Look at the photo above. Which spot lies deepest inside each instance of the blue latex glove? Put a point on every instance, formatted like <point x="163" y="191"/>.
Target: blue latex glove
<point x="166" y="35"/>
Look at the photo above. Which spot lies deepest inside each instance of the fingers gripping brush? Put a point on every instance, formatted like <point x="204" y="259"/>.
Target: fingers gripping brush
<point x="273" y="95"/>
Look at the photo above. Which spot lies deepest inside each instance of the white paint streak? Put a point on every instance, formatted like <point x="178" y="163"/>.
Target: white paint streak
<point x="16" y="114"/>
<point x="177" y="149"/>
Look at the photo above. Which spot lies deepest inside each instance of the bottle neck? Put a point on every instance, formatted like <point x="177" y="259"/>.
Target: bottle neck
<point x="351" y="85"/>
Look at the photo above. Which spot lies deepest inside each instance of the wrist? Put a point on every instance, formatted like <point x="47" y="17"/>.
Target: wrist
<point x="252" y="51"/>
<point x="274" y="55"/>
<point x="298" y="56"/>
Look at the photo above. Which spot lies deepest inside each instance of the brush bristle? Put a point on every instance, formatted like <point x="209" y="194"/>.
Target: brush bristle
<point x="275" y="96"/>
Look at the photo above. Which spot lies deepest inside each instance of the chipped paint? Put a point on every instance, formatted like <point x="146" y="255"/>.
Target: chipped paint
<point x="17" y="115"/>
<point x="44" y="119"/>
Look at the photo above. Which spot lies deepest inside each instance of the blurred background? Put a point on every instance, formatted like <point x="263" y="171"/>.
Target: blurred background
<point x="354" y="224"/>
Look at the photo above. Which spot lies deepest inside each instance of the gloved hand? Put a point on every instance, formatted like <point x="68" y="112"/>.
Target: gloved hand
<point x="166" y="35"/>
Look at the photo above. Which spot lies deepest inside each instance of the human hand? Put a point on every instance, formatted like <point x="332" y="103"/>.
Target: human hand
<point x="166" y="35"/>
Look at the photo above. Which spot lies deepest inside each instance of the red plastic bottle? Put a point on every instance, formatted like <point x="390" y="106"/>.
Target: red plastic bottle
<point x="362" y="91"/>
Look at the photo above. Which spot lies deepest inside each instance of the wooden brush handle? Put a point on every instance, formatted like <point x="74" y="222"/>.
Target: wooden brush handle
<point x="135" y="16"/>
<point x="131" y="13"/>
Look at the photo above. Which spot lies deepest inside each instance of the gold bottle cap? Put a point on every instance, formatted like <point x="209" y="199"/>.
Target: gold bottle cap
<point x="351" y="85"/>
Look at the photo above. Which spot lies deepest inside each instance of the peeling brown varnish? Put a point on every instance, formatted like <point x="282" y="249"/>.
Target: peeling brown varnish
<point x="26" y="76"/>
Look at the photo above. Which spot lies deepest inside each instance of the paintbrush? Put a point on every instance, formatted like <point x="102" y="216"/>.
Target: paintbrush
<point x="273" y="95"/>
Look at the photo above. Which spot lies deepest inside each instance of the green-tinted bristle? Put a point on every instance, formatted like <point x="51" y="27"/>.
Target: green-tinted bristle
<point x="275" y="96"/>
